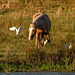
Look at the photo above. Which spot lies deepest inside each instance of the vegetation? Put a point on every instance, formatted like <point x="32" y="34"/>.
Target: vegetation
<point x="17" y="53"/>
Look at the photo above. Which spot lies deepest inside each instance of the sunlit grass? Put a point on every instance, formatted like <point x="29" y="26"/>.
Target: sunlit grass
<point x="20" y="53"/>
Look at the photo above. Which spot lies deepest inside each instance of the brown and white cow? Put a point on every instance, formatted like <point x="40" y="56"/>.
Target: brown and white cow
<point x="40" y="26"/>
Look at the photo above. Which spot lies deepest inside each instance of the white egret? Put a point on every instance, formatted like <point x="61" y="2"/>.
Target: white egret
<point x="17" y="30"/>
<point x="45" y="42"/>
<point x="70" y="46"/>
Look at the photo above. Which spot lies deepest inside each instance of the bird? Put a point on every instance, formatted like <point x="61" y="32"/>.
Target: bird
<point x="70" y="46"/>
<point x="17" y="30"/>
<point x="45" y="42"/>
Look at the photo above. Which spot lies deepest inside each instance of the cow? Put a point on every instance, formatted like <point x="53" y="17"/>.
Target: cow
<point x="40" y="26"/>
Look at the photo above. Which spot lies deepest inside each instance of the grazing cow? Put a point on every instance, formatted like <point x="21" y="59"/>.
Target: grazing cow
<point x="40" y="26"/>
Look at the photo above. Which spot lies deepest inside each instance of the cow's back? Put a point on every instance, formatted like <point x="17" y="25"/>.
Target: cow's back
<point x="36" y="16"/>
<point x="42" y="21"/>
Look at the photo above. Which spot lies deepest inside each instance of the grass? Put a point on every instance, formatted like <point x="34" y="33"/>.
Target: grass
<point x="17" y="53"/>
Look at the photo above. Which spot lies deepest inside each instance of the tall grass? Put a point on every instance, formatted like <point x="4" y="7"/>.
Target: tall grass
<point x="17" y="53"/>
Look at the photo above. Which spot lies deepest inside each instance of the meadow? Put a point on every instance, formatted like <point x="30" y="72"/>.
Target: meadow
<point x="17" y="53"/>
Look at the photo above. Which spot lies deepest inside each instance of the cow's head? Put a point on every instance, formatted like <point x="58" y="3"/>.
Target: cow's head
<point x="32" y="31"/>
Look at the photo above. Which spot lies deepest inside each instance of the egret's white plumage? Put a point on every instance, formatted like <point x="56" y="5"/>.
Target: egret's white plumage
<point x="17" y="30"/>
<point x="70" y="46"/>
<point x="45" y="42"/>
<point x="12" y="28"/>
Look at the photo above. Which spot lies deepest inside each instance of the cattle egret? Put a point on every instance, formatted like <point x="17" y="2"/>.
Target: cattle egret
<point x="17" y="30"/>
<point x="70" y="46"/>
<point x="45" y="42"/>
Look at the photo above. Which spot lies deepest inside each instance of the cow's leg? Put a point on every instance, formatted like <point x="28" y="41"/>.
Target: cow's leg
<point x="42" y="35"/>
<point x="38" y="40"/>
<point x="48" y="37"/>
<point x="37" y="43"/>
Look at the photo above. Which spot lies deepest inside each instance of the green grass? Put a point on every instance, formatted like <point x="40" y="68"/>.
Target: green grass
<point x="17" y="53"/>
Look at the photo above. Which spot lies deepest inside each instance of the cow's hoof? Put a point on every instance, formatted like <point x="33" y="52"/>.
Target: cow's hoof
<point x="49" y="41"/>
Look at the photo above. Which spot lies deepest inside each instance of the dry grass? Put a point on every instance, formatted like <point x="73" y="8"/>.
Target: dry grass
<point x="18" y="49"/>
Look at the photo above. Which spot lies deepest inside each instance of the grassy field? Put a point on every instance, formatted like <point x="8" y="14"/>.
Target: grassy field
<point x="17" y="53"/>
